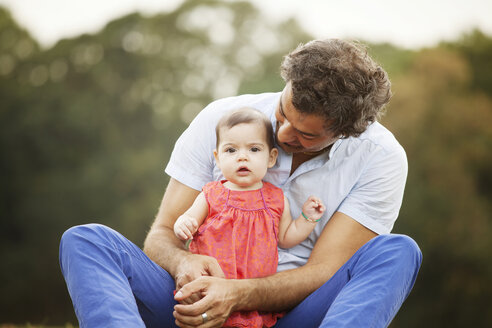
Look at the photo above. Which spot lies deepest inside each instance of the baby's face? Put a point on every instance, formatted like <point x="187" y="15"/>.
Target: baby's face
<point x="243" y="155"/>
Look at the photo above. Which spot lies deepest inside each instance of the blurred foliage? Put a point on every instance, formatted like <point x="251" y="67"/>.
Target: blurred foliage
<point x="88" y="125"/>
<point x="443" y="121"/>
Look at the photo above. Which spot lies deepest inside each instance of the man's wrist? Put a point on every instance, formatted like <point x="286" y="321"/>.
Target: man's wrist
<point x="165" y="249"/>
<point x="182" y="258"/>
<point x="243" y="291"/>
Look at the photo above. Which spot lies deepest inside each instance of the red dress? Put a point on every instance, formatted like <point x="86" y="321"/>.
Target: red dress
<point x="241" y="232"/>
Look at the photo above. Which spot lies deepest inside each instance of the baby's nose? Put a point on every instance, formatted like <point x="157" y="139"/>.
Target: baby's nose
<point x="242" y="156"/>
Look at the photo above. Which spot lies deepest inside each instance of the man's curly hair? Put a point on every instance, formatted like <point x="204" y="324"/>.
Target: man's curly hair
<point x="337" y="80"/>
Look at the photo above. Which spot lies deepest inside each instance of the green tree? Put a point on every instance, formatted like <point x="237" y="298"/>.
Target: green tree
<point x="89" y="124"/>
<point x="444" y="126"/>
<point x="476" y="47"/>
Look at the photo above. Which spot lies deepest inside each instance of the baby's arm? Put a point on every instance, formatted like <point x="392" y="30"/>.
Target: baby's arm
<point x="187" y="224"/>
<point x="292" y="232"/>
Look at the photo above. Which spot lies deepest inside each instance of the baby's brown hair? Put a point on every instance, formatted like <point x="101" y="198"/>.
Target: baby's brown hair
<point x="246" y="115"/>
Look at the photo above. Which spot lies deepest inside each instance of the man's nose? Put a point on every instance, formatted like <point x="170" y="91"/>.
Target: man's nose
<point x="286" y="132"/>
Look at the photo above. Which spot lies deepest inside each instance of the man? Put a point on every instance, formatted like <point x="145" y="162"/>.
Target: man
<point x="350" y="272"/>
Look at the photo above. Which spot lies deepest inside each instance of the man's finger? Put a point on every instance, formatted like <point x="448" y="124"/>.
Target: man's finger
<point x="216" y="271"/>
<point x="192" y="299"/>
<point x="189" y="289"/>
<point x="197" y="321"/>
<point x="189" y="310"/>
<point x="183" y="280"/>
<point x="194" y="309"/>
<point x="194" y="320"/>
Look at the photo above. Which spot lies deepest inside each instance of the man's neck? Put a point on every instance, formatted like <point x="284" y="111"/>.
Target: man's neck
<point x="301" y="157"/>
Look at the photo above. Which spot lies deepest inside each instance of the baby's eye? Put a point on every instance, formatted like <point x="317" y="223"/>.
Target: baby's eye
<point x="230" y="150"/>
<point x="255" y="149"/>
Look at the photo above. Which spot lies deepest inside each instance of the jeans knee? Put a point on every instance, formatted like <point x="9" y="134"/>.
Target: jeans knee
<point x="398" y="247"/>
<point x="409" y="249"/>
<point x="404" y="249"/>
<point x="74" y="239"/>
<point x="81" y="232"/>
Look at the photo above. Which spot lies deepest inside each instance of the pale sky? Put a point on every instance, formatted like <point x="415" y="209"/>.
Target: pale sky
<point x="410" y="24"/>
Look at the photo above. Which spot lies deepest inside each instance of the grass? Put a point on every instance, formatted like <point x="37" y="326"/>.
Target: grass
<point x="28" y="325"/>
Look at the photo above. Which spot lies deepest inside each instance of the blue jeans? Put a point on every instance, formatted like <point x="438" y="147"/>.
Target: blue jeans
<point x="112" y="283"/>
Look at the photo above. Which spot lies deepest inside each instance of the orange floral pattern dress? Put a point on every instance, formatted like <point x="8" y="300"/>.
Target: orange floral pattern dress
<point x="241" y="232"/>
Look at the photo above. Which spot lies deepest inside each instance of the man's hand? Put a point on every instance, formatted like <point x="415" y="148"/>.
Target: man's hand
<point x="192" y="267"/>
<point x="195" y="266"/>
<point x="164" y="248"/>
<point x="218" y="301"/>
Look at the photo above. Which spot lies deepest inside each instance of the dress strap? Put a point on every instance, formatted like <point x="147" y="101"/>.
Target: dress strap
<point x="267" y="208"/>
<point x="265" y="204"/>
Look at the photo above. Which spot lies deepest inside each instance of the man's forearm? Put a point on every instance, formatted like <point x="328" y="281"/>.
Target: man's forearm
<point x="341" y="238"/>
<point x="162" y="247"/>
<point x="283" y="290"/>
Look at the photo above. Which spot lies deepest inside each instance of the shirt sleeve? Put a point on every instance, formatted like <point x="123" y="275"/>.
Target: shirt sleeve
<point x="192" y="160"/>
<point x="376" y="198"/>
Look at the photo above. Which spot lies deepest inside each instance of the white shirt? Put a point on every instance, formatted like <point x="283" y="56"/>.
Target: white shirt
<point x="362" y="177"/>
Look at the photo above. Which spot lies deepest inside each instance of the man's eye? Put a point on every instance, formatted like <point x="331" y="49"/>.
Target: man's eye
<point x="307" y="137"/>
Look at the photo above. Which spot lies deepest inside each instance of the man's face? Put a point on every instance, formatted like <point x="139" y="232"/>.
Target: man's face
<point x="297" y="132"/>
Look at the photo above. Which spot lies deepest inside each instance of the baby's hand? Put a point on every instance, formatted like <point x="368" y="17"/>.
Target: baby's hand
<point x="313" y="208"/>
<point x="185" y="227"/>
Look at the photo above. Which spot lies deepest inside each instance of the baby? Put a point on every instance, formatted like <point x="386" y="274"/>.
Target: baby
<point x="241" y="220"/>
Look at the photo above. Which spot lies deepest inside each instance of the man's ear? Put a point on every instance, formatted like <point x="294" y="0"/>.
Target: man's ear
<point x="273" y="157"/>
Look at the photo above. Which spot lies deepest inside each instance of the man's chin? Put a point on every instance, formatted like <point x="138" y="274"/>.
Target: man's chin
<point x="291" y="149"/>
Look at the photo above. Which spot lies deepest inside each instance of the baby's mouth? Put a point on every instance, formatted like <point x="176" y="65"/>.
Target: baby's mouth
<point x="243" y="170"/>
